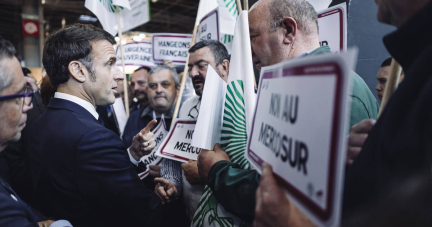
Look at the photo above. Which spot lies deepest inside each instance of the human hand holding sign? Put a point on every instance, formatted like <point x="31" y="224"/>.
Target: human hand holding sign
<point x="165" y="189"/>
<point x="357" y="136"/>
<point x="272" y="206"/>
<point x="143" y="143"/>
<point x="206" y="159"/>
<point x="191" y="172"/>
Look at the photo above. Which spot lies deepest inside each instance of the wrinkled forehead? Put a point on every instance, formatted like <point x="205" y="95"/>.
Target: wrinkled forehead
<point x="102" y="49"/>
<point x="160" y="76"/>
<point x="258" y="16"/>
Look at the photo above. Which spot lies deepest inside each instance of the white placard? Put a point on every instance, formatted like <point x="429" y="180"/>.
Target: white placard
<point x="160" y="133"/>
<point x="171" y="46"/>
<point x="136" y="54"/>
<point x="120" y="114"/>
<point x="209" y="27"/>
<point x="299" y="127"/>
<point x="209" y="123"/>
<point x="138" y="15"/>
<point x="177" y="145"/>
<point x="333" y="27"/>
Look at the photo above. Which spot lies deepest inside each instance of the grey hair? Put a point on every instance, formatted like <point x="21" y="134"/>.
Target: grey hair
<point x="7" y="51"/>
<point x="219" y="50"/>
<point x="174" y="74"/>
<point x="87" y="61"/>
<point x="301" y="10"/>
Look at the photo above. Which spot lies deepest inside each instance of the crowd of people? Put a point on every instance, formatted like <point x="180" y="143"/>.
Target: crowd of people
<point x="62" y="165"/>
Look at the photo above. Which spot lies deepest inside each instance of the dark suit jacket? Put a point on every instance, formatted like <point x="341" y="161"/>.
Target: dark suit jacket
<point x="15" y="212"/>
<point x="14" y="158"/>
<point x="82" y="172"/>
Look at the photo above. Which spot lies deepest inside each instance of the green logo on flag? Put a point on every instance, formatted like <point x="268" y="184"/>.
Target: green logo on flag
<point x="108" y="4"/>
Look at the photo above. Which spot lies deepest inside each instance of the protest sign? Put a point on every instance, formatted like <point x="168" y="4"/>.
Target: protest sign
<point x="299" y="127"/>
<point x="209" y="123"/>
<point x="171" y="46"/>
<point x="209" y="27"/>
<point x="136" y="54"/>
<point x="160" y="133"/>
<point x="218" y="24"/>
<point x="177" y="145"/>
<point x="333" y="27"/>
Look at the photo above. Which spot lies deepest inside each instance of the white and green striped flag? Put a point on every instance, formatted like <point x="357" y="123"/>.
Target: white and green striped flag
<point x="238" y="109"/>
<point x="132" y="14"/>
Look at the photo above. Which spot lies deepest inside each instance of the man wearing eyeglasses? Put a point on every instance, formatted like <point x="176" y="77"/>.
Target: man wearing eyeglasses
<point x="201" y="55"/>
<point x="15" y="101"/>
<point x="82" y="171"/>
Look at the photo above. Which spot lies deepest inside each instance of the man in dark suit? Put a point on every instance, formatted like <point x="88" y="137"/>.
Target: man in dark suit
<point x="81" y="170"/>
<point x="15" y="101"/>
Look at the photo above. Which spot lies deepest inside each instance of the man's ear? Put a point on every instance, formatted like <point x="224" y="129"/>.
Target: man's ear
<point x="224" y="69"/>
<point x="78" y="71"/>
<point x="290" y="29"/>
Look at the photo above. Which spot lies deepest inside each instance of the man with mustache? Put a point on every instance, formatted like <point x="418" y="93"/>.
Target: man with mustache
<point x="201" y="55"/>
<point x="82" y="171"/>
<point x="139" y="84"/>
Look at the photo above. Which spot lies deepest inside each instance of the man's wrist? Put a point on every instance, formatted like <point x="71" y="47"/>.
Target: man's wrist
<point x="133" y="158"/>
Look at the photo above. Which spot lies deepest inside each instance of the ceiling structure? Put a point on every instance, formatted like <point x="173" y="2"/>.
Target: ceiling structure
<point x="173" y="16"/>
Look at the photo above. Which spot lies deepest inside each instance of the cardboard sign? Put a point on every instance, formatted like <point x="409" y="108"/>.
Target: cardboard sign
<point x="170" y="46"/>
<point x="209" y="27"/>
<point x="136" y="54"/>
<point x="177" y="145"/>
<point x="299" y="127"/>
<point x="160" y="133"/>
<point x="333" y="28"/>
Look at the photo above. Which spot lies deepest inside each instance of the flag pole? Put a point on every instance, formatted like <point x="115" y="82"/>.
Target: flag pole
<point x="185" y="75"/>
<point x="246" y="4"/>
<point x="126" y="96"/>
<point x="239" y="8"/>
<point x="392" y="83"/>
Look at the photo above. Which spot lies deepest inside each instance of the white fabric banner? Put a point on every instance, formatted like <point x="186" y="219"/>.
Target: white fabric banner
<point x="209" y="123"/>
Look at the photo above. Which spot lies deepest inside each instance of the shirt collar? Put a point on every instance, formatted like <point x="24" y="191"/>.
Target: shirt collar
<point x="86" y="105"/>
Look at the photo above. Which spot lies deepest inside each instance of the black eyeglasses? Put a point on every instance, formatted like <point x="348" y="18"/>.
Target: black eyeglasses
<point x="193" y="113"/>
<point x="27" y="95"/>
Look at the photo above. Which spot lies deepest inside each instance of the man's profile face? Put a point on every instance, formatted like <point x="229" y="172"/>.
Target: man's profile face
<point x="162" y="91"/>
<point x="13" y="114"/>
<point x="106" y="72"/>
<point x="198" y="64"/>
<point x="139" y="84"/>
<point x="266" y="45"/>
<point x="382" y="80"/>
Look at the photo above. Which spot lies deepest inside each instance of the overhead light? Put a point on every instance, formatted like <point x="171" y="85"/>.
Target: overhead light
<point x="142" y="36"/>
<point x="87" y="18"/>
<point x="123" y="42"/>
<point x="137" y="38"/>
<point x="154" y="1"/>
<point x="43" y="1"/>
<point x="117" y="38"/>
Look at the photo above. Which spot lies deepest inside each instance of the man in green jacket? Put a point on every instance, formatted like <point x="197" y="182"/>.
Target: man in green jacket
<point x="279" y="30"/>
